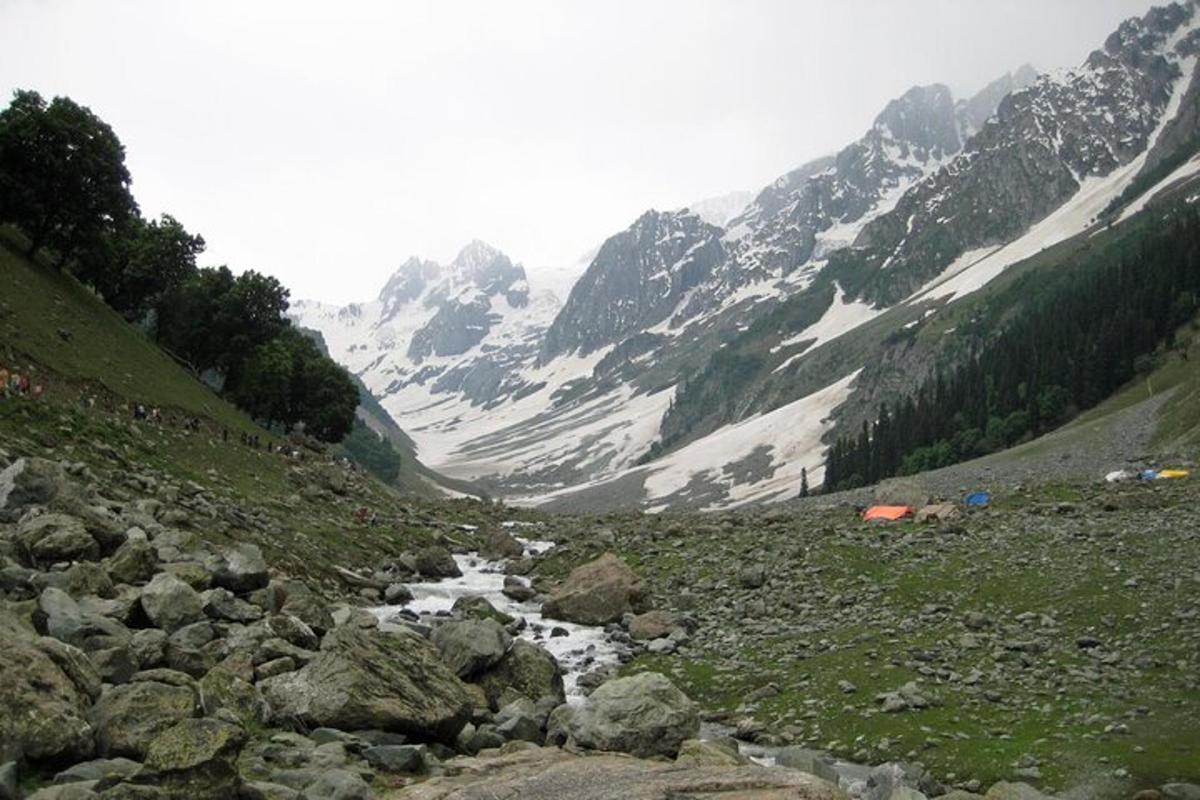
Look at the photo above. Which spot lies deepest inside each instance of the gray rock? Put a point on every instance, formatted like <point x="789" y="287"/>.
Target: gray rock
<point x="63" y="618"/>
<point x="308" y="607"/>
<point x="264" y="790"/>
<point x="293" y="631"/>
<point x="710" y="753"/>
<point x="50" y="538"/>
<point x="98" y="769"/>
<point x="521" y="727"/>
<point x="752" y="576"/>
<point x="222" y="604"/>
<point x="337" y="784"/>
<point x="128" y="717"/>
<point x="75" y="664"/>
<point x="220" y="689"/>
<point x="478" y="607"/>
<point x="517" y="589"/>
<point x="1180" y="791"/>
<point x="470" y="646"/>
<point x="437" y="562"/>
<point x="644" y="715"/>
<point x="170" y="603"/>
<point x="373" y="679"/>
<point x="115" y="664"/>
<point x="499" y="544"/>
<point x="397" y="594"/>
<point x="196" y="758"/>
<point x="134" y="562"/>
<point x="526" y="670"/>
<point x="396" y="757"/>
<point x="900" y="781"/>
<point x="42" y="710"/>
<point x="69" y="791"/>
<point x="240" y="569"/>
<point x="149" y="647"/>
<point x="596" y="593"/>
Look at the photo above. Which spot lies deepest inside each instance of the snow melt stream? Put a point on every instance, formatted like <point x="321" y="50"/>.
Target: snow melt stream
<point x="582" y="649"/>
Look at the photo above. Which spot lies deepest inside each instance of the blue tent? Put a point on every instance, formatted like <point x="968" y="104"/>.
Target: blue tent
<point x="1149" y="474"/>
<point x="978" y="499"/>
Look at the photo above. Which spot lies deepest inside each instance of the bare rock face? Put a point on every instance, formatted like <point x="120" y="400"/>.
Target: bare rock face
<point x="366" y="679"/>
<point x="596" y="593"/>
<point x="551" y="774"/>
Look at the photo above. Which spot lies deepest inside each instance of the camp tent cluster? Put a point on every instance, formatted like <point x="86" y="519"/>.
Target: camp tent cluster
<point x="934" y="512"/>
<point x="1120" y="475"/>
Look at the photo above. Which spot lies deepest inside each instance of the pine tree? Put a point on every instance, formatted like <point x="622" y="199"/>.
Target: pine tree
<point x="803" y="482"/>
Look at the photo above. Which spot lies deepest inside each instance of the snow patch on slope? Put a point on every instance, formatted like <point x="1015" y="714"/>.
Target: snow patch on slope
<point x="841" y="317"/>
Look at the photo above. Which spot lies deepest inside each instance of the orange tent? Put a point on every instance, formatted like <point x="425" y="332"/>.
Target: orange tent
<point x="889" y="513"/>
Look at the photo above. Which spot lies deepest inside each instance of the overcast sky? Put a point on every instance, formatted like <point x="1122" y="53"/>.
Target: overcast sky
<point x="325" y="142"/>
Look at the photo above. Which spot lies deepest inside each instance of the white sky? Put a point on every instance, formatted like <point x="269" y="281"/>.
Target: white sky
<point x="325" y="142"/>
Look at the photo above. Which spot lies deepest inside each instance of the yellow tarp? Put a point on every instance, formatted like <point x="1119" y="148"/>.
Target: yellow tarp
<point x="1174" y="473"/>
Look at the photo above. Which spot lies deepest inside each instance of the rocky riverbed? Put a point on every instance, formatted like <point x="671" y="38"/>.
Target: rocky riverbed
<point x="146" y="658"/>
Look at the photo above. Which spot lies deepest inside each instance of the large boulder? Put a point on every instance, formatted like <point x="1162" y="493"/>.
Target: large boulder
<point x="652" y="625"/>
<point x="596" y="593"/>
<point x="368" y="678"/>
<point x="51" y="538"/>
<point x="127" y="718"/>
<point x="196" y="759"/>
<point x="306" y="606"/>
<point x="222" y="689"/>
<point x="475" y="606"/>
<point x="134" y="562"/>
<point x="499" y="544"/>
<point x="644" y="715"/>
<point x="437" y="562"/>
<point x="240" y="569"/>
<point x="170" y="603"/>
<point x="42" y="709"/>
<point x="337" y="784"/>
<point x="59" y="616"/>
<point x="526" y="670"/>
<point x="548" y="773"/>
<point x="31" y="481"/>
<point x="470" y="646"/>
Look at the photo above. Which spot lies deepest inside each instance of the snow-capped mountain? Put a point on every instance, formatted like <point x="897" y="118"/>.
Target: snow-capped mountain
<point x="704" y="364"/>
<point x="721" y="209"/>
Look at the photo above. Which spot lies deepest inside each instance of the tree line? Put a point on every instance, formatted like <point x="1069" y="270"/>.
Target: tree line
<point x="1056" y="343"/>
<point x="64" y="185"/>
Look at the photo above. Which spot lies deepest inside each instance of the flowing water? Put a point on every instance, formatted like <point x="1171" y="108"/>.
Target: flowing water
<point x="582" y="649"/>
<point x="578" y="648"/>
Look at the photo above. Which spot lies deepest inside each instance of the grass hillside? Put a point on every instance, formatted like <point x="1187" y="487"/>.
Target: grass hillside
<point x="301" y="511"/>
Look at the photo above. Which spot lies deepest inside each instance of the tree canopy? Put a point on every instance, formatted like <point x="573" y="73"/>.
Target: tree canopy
<point x="63" y="179"/>
<point x="63" y="183"/>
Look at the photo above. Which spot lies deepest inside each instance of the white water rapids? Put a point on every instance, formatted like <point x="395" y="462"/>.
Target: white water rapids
<point x="582" y="649"/>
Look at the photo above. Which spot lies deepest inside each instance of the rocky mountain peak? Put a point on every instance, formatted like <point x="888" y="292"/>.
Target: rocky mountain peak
<point x="922" y="119"/>
<point x="409" y="281"/>
<point x="974" y="111"/>
<point x="636" y="280"/>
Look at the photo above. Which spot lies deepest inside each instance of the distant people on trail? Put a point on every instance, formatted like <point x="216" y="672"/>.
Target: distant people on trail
<point x="14" y="384"/>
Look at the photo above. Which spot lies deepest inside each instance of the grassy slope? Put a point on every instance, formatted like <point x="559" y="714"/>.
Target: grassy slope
<point x="881" y="606"/>
<point x="304" y="527"/>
